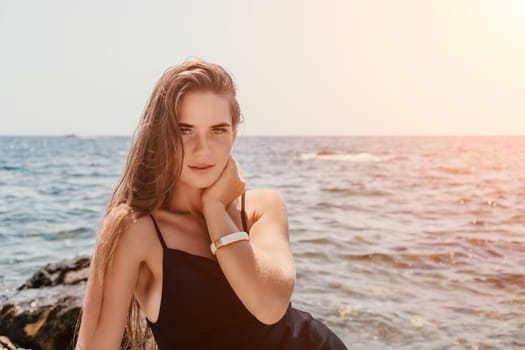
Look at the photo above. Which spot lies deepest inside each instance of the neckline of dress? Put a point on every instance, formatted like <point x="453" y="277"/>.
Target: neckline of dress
<point x="193" y="255"/>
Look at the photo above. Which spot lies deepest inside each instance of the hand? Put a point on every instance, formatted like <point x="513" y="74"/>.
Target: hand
<point x="227" y="187"/>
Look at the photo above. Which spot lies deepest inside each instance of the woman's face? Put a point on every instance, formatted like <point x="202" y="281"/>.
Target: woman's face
<point x="207" y="135"/>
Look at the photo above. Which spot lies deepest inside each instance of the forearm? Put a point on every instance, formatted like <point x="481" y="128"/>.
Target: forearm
<point x="259" y="282"/>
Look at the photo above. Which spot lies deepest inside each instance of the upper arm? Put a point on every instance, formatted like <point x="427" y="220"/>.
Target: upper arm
<point x="106" y="305"/>
<point x="269" y="232"/>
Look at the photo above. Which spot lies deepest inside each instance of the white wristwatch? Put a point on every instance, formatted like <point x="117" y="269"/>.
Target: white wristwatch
<point x="228" y="239"/>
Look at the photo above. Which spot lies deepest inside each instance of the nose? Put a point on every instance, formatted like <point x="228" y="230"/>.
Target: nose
<point x="201" y="146"/>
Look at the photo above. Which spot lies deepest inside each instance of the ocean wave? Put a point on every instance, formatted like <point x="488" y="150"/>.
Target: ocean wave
<point x="10" y="167"/>
<point x="503" y="280"/>
<point x="456" y="170"/>
<point x="423" y="260"/>
<point x="363" y="192"/>
<point x="362" y="157"/>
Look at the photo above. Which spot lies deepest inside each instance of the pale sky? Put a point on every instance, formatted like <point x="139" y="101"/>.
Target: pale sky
<point x="367" y="67"/>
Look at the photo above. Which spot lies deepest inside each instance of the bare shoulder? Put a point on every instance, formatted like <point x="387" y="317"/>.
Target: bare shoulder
<point x="138" y="234"/>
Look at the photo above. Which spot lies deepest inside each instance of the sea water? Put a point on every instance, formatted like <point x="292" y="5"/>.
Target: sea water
<point x="399" y="242"/>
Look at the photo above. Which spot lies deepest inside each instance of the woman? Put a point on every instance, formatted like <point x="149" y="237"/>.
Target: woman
<point x="159" y="252"/>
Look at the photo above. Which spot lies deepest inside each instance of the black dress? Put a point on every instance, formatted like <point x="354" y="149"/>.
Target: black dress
<point x="200" y="310"/>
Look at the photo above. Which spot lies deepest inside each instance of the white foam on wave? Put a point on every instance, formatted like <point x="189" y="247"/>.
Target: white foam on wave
<point x="350" y="157"/>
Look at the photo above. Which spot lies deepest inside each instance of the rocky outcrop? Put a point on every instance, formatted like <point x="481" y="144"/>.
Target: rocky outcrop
<point x="42" y="313"/>
<point x="6" y="344"/>
<point x="64" y="273"/>
<point x="326" y="153"/>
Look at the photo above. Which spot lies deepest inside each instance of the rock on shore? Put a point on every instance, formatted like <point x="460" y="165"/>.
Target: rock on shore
<point x="43" y="312"/>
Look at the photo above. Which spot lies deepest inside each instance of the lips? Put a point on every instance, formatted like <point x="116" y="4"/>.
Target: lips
<point x="201" y="166"/>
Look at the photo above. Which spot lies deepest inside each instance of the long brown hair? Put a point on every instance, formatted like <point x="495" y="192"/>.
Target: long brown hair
<point x="154" y="165"/>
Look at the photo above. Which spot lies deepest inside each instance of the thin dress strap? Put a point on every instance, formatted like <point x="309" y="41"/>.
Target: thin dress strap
<point x="243" y="214"/>
<point x="158" y="232"/>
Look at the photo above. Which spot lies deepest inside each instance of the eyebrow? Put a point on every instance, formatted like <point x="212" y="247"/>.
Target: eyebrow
<point x="186" y="125"/>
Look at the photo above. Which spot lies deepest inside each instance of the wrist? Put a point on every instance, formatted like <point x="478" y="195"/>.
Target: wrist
<point x="228" y="239"/>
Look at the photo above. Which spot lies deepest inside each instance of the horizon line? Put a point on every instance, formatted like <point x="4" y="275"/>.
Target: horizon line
<point x="278" y="135"/>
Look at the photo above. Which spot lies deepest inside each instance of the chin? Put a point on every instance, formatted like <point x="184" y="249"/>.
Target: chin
<point x="203" y="186"/>
<point x="201" y="183"/>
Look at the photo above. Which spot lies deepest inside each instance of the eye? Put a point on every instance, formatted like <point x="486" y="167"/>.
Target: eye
<point x="219" y="131"/>
<point x="185" y="131"/>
